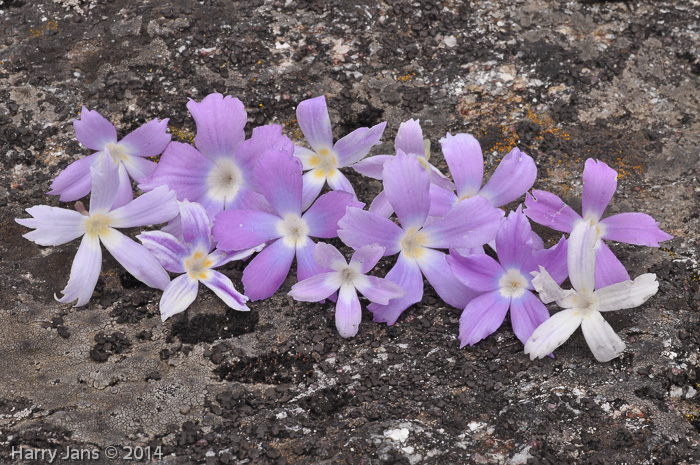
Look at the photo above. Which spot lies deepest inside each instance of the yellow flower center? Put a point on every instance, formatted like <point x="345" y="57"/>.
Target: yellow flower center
<point x="324" y="162"/>
<point x="117" y="152"/>
<point x="197" y="265"/>
<point x="97" y="224"/>
<point x="512" y="284"/>
<point x="412" y="243"/>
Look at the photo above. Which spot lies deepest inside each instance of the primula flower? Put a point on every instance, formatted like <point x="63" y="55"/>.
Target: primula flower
<point x="287" y="231"/>
<point x="514" y="175"/>
<point x="193" y="257"/>
<point x="95" y="132"/>
<point x="584" y="303"/>
<point x="506" y="283"/>
<point x="325" y="158"/>
<point x="409" y="140"/>
<point x="471" y="223"/>
<point x="349" y="279"/>
<point x="218" y="173"/>
<point x="599" y="184"/>
<point x="55" y="226"/>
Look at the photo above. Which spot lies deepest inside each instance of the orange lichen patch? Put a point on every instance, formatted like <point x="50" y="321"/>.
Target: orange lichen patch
<point x="292" y="127"/>
<point x="49" y="26"/>
<point x="182" y="135"/>
<point x="623" y="170"/>
<point x="406" y="77"/>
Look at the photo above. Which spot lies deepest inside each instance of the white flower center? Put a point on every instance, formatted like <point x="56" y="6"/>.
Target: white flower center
<point x="197" y="265"/>
<point x="294" y="230"/>
<point x="224" y="180"/>
<point x="117" y="152"/>
<point x="584" y="302"/>
<point x="599" y="227"/>
<point x="412" y="243"/>
<point x="97" y="224"/>
<point x="512" y="284"/>
<point x="324" y="162"/>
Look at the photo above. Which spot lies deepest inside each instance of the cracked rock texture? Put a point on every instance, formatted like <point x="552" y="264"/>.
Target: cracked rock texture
<point x="564" y="81"/>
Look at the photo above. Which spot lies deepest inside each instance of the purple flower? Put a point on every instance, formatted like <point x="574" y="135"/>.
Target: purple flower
<point x="349" y="279"/>
<point x="506" y="283"/>
<point x="55" y="226"/>
<point x="409" y="140"/>
<point x="514" y="175"/>
<point x="95" y="132"/>
<point x="194" y="258"/>
<point x="584" y="303"/>
<point x="469" y="224"/>
<point x="287" y="231"/>
<point x="325" y="158"/>
<point x="218" y="173"/>
<point x="599" y="184"/>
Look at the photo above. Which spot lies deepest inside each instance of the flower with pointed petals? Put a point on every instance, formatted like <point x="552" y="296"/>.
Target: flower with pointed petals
<point x="193" y="257"/>
<point x="599" y="184"/>
<point x="287" y="232"/>
<point x="348" y="279"/>
<point x="471" y="223"/>
<point x="584" y="303"/>
<point x="218" y="173"/>
<point x="325" y="158"/>
<point x="506" y="284"/>
<point x="95" y="132"/>
<point x="55" y="226"/>
<point x="409" y="140"/>
<point x="513" y="177"/>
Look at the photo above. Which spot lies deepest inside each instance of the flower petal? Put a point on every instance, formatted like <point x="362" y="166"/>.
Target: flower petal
<point x="406" y="274"/>
<point x="338" y="182"/>
<point x="243" y="229"/>
<point x="407" y="188"/>
<point x="138" y="168"/>
<point x="356" y="145"/>
<point x="547" y="288"/>
<point x="599" y="184"/>
<point x="436" y="270"/>
<point x="267" y="271"/>
<point x="627" y="294"/>
<point x="379" y="291"/>
<point x="323" y="216"/>
<point x="155" y="207"/>
<point x="328" y="257"/>
<point x="634" y="228"/>
<point x="220" y="257"/>
<point x="348" y="312"/>
<point x="381" y="206"/>
<point x="441" y="200"/>
<point x="315" y="288"/>
<point x="359" y="227"/>
<point x="409" y="138"/>
<point x="196" y="228"/>
<point x="552" y="259"/>
<point x="549" y="210"/>
<point x="313" y="119"/>
<point x="268" y="137"/>
<point x="148" y="140"/>
<point x="313" y="181"/>
<point x="125" y="191"/>
<point x="609" y="269"/>
<point x="601" y="338"/>
<point x="167" y="249"/>
<point x="514" y="176"/>
<point x="105" y="184"/>
<point x="278" y="175"/>
<point x="527" y="312"/>
<point x="178" y="295"/>
<point x="552" y="333"/>
<point x="368" y="256"/>
<point x="304" y="155"/>
<point x="53" y="225"/>
<point x="223" y="288"/>
<point x="183" y="169"/>
<point x="74" y="182"/>
<point x="581" y="257"/>
<point x="372" y="167"/>
<point x="471" y="223"/>
<point x="514" y="240"/>
<point x="465" y="160"/>
<point x="84" y="272"/>
<point x="478" y="271"/>
<point x="220" y="121"/>
<point x="306" y="265"/>
<point x="136" y="259"/>
<point x="93" y="130"/>
<point x="482" y="317"/>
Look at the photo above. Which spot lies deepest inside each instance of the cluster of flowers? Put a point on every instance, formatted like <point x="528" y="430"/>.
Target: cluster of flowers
<point x="228" y="198"/>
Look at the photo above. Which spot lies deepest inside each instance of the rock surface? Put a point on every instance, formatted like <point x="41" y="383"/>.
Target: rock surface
<point x="564" y="81"/>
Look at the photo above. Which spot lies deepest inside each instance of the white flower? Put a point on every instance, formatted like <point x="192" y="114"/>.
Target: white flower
<point x="583" y="304"/>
